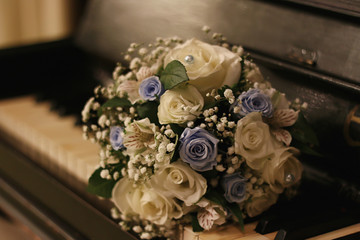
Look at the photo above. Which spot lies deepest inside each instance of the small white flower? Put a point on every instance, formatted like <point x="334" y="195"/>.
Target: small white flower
<point x="149" y="228"/>
<point x="101" y="121"/>
<point x="137" y="229"/>
<point x="230" y="170"/>
<point x="170" y="147"/>
<point x="234" y="160"/>
<point x="237" y="109"/>
<point x="170" y="133"/>
<point x="304" y="105"/>
<point x="190" y="124"/>
<point x="143" y="51"/>
<point x="114" y="213"/>
<point x="253" y="180"/>
<point x="116" y="175"/>
<point x="145" y="235"/>
<point x="220" y="127"/>
<point x="127" y="57"/>
<point x="143" y="170"/>
<point x="206" y="29"/>
<point x="102" y="163"/>
<point x="104" y="173"/>
<point x="214" y="118"/>
<point x="228" y="93"/>
<point x="220" y="168"/>
<point x="123" y="172"/>
<point x="98" y="135"/>
<point x="231" y="150"/>
<point x="135" y="63"/>
<point x="231" y="124"/>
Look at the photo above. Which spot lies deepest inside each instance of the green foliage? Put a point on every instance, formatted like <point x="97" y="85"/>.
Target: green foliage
<point x="173" y="74"/>
<point x="195" y="223"/>
<point x="304" y="137"/>
<point x="149" y="110"/>
<point x="100" y="186"/>
<point x="302" y="131"/>
<point x="113" y="103"/>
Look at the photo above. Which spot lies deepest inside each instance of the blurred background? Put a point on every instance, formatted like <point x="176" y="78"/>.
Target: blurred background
<point x="24" y="22"/>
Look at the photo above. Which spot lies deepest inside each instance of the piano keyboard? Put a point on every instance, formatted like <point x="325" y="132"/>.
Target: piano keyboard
<point x="56" y="144"/>
<point x="53" y="142"/>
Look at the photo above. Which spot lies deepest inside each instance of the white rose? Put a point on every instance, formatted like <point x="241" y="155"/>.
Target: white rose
<point x="180" y="181"/>
<point x="212" y="67"/>
<point x="259" y="204"/>
<point x="145" y="202"/>
<point x="180" y="105"/>
<point x="283" y="170"/>
<point x="253" y="140"/>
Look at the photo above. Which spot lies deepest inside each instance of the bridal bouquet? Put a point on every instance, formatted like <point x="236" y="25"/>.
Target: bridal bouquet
<point x="191" y="133"/>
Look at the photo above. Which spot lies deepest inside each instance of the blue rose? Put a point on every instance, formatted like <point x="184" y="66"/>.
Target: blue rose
<point x="150" y="88"/>
<point x="235" y="187"/>
<point x="198" y="148"/>
<point x="116" y="137"/>
<point x="255" y="101"/>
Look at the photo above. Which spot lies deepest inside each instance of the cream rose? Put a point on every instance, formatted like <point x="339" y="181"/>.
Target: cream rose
<point x="180" y="181"/>
<point x="253" y="140"/>
<point x="283" y="170"/>
<point x="261" y="203"/>
<point x="208" y="66"/>
<point x="145" y="202"/>
<point x="180" y="105"/>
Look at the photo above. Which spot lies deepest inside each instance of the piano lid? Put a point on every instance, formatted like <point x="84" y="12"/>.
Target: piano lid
<point x="325" y="39"/>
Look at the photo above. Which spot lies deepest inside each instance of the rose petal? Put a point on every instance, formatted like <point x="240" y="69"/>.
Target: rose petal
<point x="284" y="118"/>
<point x="282" y="135"/>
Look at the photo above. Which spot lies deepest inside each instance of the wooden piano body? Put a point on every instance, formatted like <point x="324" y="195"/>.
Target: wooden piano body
<point x="308" y="49"/>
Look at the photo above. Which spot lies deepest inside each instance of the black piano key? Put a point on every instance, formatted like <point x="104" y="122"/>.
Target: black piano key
<point x="353" y="236"/>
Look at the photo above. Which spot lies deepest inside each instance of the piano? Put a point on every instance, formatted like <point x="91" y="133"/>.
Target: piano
<point x="309" y="49"/>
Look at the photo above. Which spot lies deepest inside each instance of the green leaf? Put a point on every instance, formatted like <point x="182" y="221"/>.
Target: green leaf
<point x="173" y="74"/>
<point x="100" y="186"/>
<point x="210" y="174"/>
<point x="177" y="129"/>
<point x="306" y="149"/>
<point x="114" y="102"/>
<point x="235" y="209"/>
<point x="195" y="223"/>
<point x="149" y="110"/>
<point x="215" y="197"/>
<point x="302" y="132"/>
<point x="175" y="154"/>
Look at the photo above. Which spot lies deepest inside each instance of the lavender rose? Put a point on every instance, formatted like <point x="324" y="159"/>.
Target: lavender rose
<point x="150" y="88"/>
<point x="235" y="187"/>
<point x="198" y="148"/>
<point x="116" y="137"/>
<point x="255" y="101"/>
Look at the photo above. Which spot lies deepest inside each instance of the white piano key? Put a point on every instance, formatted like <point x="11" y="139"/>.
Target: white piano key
<point x="56" y="142"/>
